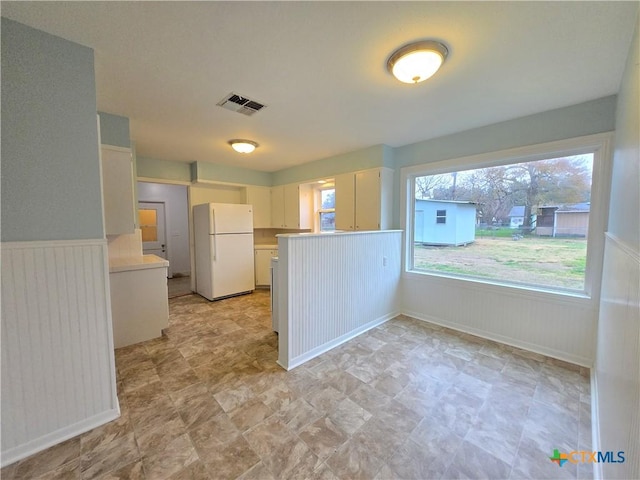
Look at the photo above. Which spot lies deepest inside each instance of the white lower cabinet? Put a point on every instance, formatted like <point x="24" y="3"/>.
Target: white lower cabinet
<point x="139" y="303"/>
<point x="263" y="264"/>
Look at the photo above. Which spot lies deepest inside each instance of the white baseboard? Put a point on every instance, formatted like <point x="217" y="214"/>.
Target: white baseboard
<point x="575" y="359"/>
<point x="49" y="440"/>
<point x="305" y="357"/>
<point x="595" y="424"/>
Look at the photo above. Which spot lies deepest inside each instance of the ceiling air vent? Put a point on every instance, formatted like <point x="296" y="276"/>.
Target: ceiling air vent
<point x="240" y="104"/>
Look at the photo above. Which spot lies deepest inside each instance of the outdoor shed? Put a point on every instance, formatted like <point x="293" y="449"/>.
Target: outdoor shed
<point x="564" y="220"/>
<point x="516" y="216"/>
<point x="444" y="222"/>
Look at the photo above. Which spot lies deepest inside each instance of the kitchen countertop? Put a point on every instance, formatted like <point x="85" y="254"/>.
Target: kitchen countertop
<point x="334" y="233"/>
<point x="136" y="263"/>
<point x="267" y="246"/>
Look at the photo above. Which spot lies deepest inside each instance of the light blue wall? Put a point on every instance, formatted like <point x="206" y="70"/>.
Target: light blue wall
<point x="114" y="130"/>
<point x="163" y="169"/>
<point x="50" y="164"/>
<point x="228" y="174"/>
<point x="587" y="118"/>
<point x="372" y="157"/>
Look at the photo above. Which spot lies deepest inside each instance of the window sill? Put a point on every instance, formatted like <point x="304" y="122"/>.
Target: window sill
<point x="503" y="287"/>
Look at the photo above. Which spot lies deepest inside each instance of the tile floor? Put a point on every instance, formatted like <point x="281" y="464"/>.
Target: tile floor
<point x="178" y="286"/>
<point x="404" y="400"/>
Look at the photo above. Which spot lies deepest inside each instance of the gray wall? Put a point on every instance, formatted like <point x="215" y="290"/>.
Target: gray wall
<point x="114" y="130"/>
<point x="50" y="163"/>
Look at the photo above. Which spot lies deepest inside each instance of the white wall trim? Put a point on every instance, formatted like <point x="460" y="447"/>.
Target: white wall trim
<point x="116" y="148"/>
<point x="299" y="360"/>
<point x="625" y="247"/>
<point x="184" y="183"/>
<point x="53" y="243"/>
<point x="574" y="146"/>
<point x="595" y="424"/>
<point x="58" y="365"/>
<point x="599" y="143"/>
<point x="330" y="289"/>
<point x="549" y="352"/>
<point x="46" y="441"/>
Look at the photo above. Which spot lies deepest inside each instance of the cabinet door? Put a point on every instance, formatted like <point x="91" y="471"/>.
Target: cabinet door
<point x="117" y="190"/>
<point x="291" y="206"/>
<point x="260" y="198"/>
<point x="277" y="207"/>
<point x="263" y="266"/>
<point x="368" y="200"/>
<point x="345" y="201"/>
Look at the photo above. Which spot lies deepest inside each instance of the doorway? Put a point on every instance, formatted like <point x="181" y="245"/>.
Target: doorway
<point x="166" y="205"/>
<point x="153" y="226"/>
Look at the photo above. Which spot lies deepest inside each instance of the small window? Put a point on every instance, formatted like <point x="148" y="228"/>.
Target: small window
<point x="326" y="201"/>
<point x="441" y="216"/>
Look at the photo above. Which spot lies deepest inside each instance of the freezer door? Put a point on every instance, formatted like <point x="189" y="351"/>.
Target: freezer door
<point x="233" y="270"/>
<point x="231" y="218"/>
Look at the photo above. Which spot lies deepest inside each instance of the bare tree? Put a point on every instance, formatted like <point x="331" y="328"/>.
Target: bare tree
<point x="426" y="185"/>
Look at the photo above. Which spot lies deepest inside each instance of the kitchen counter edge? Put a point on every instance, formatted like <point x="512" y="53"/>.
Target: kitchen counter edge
<point x="137" y="263"/>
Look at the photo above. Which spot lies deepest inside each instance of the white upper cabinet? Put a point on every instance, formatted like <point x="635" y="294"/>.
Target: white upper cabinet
<point x="117" y="190"/>
<point x="260" y="198"/>
<point x="291" y="207"/>
<point x="364" y="200"/>
<point x="345" y="201"/>
<point x="277" y="207"/>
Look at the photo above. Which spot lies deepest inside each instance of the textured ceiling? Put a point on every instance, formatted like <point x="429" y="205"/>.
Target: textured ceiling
<point x="320" y="69"/>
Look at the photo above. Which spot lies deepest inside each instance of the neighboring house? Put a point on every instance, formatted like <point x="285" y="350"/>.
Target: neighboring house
<point x="563" y="220"/>
<point x="516" y="216"/>
<point x="445" y="222"/>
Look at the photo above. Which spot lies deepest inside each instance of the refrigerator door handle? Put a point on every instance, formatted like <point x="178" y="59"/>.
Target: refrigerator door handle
<point x="215" y="239"/>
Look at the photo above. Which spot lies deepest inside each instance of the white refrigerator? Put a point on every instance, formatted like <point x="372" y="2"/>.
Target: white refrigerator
<point x="223" y="235"/>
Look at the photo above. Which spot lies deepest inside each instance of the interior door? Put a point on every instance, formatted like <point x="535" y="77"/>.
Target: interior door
<point x="152" y="223"/>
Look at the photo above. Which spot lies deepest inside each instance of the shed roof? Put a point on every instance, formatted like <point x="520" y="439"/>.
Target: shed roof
<point x="571" y="207"/>
<point x="517" y="211"/>
<point x="464" y="202"/>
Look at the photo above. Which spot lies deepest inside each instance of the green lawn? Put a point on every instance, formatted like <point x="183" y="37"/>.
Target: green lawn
<point x="553" y="262"/>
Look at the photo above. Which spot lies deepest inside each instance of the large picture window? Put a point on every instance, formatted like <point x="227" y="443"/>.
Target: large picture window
<point x="525" y="222"/>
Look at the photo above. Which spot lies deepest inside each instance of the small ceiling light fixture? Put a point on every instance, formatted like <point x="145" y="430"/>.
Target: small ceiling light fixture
<point x="417" y="61"/>
<point x="243" y="146"/>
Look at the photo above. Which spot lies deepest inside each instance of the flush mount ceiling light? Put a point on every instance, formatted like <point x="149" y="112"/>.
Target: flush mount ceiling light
<point x="243" y="146"/>
<point x="417" y="61"/>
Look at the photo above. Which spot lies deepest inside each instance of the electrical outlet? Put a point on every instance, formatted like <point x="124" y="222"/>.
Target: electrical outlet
<point x="384" y="261"/>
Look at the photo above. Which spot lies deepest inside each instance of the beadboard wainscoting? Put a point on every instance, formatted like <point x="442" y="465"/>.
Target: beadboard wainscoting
<point x="58" y="369"/>
<point x="332" y="287"/>
<point x="559" y="326"/>
<point x="616" y="377"/>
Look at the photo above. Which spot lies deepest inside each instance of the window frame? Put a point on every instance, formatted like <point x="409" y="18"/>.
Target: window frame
<point x="318" y="204"/>
<point x="598" y="144"/>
